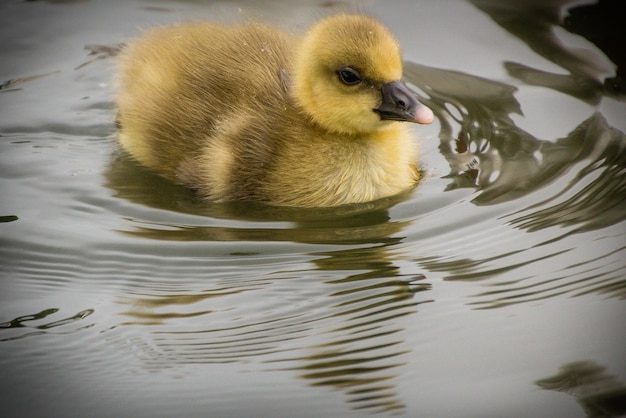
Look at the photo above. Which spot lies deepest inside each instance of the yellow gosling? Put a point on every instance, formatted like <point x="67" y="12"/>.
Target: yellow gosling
<point x="250" y="113"/>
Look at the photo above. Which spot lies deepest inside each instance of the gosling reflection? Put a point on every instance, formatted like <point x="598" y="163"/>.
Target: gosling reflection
<point x="145" y="310"/>
<point x="363" y="354"/>
<point x="599" y="393"/>
<point x="188" y="216"/>
<point x="341" y="333"/>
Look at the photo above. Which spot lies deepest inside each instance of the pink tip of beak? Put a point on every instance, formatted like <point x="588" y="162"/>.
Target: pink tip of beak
<point x="423" y="115"/>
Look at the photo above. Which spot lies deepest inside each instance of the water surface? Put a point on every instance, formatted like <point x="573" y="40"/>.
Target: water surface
<point x="495" y="288"/>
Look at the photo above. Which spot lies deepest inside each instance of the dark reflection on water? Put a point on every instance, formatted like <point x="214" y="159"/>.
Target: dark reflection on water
<point x="603" y="24"/>
<point x="603" y="150"/>
<point x="23" y="323"/>
<point x="486" y="150"/>
<point x="598" y="392"/>
<point x="534" y="22"/>
<point x="100" y="52"/>
<point x="10" y="85"/>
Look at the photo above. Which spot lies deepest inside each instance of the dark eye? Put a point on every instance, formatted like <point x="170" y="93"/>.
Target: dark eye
<point x="349" y="76"/>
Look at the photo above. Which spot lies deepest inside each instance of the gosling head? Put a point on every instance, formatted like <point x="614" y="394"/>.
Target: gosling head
<point x="347" y="77"/>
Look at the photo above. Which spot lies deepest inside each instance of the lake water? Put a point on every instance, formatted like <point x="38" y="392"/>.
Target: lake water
<point x="495" y="288"/>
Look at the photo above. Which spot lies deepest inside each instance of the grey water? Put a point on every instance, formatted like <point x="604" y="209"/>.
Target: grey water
<point x="495" y="288"/>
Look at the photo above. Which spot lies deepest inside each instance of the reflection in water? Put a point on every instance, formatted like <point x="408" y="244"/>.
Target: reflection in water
<point x="534" y="22"/>
<point x="603" y="24"/>
<point x="596" y="197"/>
<point x="22" y="322"/>
<point x="477" y="133"/>
<point x="488" y="151"/>
<point x="598" y="392"/>
<point x="336" y="332"/>
<point x="364" y="348"/>
<point x="12" y="83"/>
<point x="358" y="223"/>
<point x="100" y="52"/>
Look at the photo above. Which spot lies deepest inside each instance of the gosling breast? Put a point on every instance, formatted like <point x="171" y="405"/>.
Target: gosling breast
<point x="252" y="113"/>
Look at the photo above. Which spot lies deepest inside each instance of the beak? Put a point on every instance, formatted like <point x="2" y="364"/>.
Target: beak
<point x="402" y="105"/>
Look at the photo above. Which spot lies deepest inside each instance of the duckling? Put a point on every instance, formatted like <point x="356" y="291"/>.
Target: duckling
<point x="249" y="112"/>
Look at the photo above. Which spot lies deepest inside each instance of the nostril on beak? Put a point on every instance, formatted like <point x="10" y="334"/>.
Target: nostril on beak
<point x="398" y="102"/>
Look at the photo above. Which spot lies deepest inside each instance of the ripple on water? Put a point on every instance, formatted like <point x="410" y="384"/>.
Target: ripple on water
<point x="551" y="192"/>
<point x="333" y="332"/>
